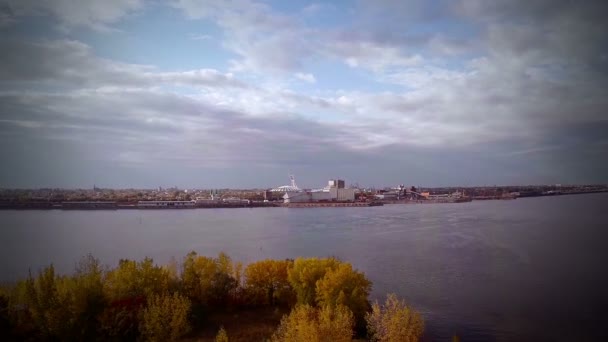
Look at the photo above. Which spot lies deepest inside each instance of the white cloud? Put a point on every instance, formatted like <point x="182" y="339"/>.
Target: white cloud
<point x="310" y="78"/>
<point x="372" y="56"/>
<point x="201" y="37"/>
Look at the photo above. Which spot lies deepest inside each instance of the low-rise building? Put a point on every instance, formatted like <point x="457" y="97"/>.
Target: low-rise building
<point x="166" y="204"/>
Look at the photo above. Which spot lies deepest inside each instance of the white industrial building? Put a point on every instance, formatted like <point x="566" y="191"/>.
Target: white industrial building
<point x="334" y="191"/>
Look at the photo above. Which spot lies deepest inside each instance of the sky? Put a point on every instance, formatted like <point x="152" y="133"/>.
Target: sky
<point x="240" y="94"/>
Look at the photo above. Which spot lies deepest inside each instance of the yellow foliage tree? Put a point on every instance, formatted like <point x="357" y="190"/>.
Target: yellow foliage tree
<point x="165" y="318"/>
<point x="305" y="273"/>
<point x="394" y="321"/>
<point x="221" y="336"/>
<point x="267" y="281"/>
<point x="307" y="324"/>
<point x="133" y="279"/>
<point x="87" y="297"/>
<point x="344" y="286"/>
<point x="48" y="302"/>
<point x="335" y="323"/>
<point x="207" y="279"/>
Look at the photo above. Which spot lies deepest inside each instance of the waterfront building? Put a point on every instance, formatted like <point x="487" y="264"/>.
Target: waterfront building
<point x="88" y="205"/>
<point x="293" y="187"/>
<point x="334" y="191"/>
<point x="166" y="204"/>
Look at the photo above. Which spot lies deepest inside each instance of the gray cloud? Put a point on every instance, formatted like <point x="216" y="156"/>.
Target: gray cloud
<point x="71" y="14"/>
<point x="520" y="98"/>
<point x="72" y="63"/>
<point x="134" y="130"/>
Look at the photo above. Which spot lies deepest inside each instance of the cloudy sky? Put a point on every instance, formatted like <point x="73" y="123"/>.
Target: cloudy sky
<point x="205" y="93"/>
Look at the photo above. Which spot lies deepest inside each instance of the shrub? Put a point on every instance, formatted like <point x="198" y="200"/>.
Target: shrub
<point x="307" y="324"/>
<point x="394" y="321"/>
<point x="165" y="318"/>
<point x="221" y="336"/>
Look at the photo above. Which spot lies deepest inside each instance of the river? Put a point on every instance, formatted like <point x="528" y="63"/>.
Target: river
<point x="531" y="269"/>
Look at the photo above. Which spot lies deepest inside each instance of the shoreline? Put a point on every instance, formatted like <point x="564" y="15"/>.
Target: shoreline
<point x="108" y="205"/>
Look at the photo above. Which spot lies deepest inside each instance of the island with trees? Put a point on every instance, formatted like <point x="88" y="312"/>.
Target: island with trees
<point x="204" y="299"/>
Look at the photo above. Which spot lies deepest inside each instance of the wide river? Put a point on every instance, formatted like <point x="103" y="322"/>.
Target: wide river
<point x="532" y="269"/>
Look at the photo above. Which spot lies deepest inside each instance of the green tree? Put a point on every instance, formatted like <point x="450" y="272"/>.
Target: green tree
<point x="394" y="321"/>
<point x="165" y="318"/>
<point x="344" y="286"/>
<point x="305" y="273"/>
<point x="308" y="324"/>
<point x="268" y="283"/>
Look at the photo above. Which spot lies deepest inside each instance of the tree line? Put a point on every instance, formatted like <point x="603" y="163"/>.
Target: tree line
<point x="327" y="300"/>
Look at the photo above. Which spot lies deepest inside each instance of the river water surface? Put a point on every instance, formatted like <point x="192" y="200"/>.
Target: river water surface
<point x="532" y="269"/>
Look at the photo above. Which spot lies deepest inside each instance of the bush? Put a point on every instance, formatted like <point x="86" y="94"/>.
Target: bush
<point x="121" y="319"/>
<point x="221" y="336"/>
<point x="307" y="324"/>
<point x="394" y="321"/>
<point x="165" y="318"/>
<point x="5" y="325"/>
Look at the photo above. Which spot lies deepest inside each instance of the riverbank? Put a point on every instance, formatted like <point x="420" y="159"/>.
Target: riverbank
<point x="110" y="205"/>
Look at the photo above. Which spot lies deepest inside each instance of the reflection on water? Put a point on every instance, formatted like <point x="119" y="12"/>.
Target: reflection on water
<point x="529" y="269"/>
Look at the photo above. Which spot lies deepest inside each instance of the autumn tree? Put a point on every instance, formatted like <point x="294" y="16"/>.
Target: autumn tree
<point x="127" y="287"/>
<point x="343" y="285"/>
<point x="165" y="318"/>
<point x="86" y="297"/>
<point x="305" y="273"/>
<point x="221" y="336"/>
<point x="394" y="321"/>
<point x="137" y="279"/>
<point x="208" y="280"/>
<point x="5" y="324"/>
<point x="267" y="282"/>
<point x="48" y="301"/>
<point x="308" y="324"/>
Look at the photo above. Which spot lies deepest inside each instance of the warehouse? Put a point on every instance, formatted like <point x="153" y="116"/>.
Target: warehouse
<point x="335" y="191"/>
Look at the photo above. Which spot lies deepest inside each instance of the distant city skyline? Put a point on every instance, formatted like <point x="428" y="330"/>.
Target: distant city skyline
<point x="239" y="94"/>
